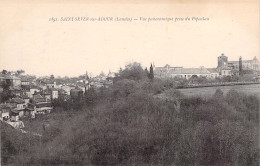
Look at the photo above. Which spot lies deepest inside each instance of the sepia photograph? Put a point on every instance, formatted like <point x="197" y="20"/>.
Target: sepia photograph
<point x="129" y="83"/>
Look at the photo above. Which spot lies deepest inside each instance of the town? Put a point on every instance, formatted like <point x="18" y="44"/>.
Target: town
<point x="28" y="96"/>
<point x="113" y="83"/>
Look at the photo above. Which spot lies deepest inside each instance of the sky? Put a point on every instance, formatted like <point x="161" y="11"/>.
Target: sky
<point x="30" y="41"/>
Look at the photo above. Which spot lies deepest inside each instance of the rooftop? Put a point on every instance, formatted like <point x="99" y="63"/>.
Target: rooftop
<point x="212" y="70"/>
<point x="181" y="70"/>
<point x="17" y="101"/>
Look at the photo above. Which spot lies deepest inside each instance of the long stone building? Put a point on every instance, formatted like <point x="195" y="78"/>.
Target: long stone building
<point x="168" y="71"/>
<point x="224" y="68"/>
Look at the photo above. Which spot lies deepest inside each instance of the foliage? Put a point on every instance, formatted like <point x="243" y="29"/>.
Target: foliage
<point x="4" y="71"/>
<point x="151" y="74"/>
<point x="20" y="72"/>
<point x="7" y="93"/>
<point x="132" y="71"/>
<point x="128" y="124"/>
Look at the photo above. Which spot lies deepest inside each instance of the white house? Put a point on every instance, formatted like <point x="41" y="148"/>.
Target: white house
<point x="54" y="93"/>
<point x="20" y="105"/>
<point x="213" y="72"/>
<point x="33" y="90"/>
<point x="226" y="72"/>
<point x="67" y="88"/>
<point x="171" y="72"/>
<point x="5" y="111"/>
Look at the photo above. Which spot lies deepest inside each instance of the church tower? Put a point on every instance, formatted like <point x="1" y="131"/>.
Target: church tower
<point x="222" y="61"/>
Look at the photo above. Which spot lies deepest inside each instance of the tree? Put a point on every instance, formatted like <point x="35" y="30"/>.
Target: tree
<point x="86" y="75"/>
<point x="234" y="78"/>
<point x="226" y="78"/>
<point x="132" y="71"/>
<point x="219" y="94"/>
<point x="151" y="75"/>
<point x="147" y="72"/>
<point x="4" y="71"/>
<point x="6" y="94"/>
<point x="175" y="97"/>
<point x="194" y="79"/>
<point x="240" y="65"/>
<point x="20" y="72"/>
<point x="52" y="77"/>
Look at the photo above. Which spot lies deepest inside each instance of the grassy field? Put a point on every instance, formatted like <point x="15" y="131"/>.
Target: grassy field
<point x="209" y="91"/>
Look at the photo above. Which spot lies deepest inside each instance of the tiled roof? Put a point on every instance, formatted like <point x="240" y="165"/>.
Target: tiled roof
<point x="39" y="105"/>
<point x="17" y="100"/>
<point x="29" y="109"/>
<point x="15" y="111"/>
<point x="37" y="93"/>
<point x="39" y="100"/>
<point x="53" y="89"/>
<point x="4" y="106"/>
<point x="160" y="68"/>
<point x="180" y="70"/>
<point x="11" y="105"/>
<point x="16" y="78"/>
<point x="26" y="87"/>
<point x="62" y="91"/>
<point x="189" y="71"/>
<point x="37" y="96"/>
<point x="34" y="87"/>
<point x="46" y="92"/>
<point x="76" y="90"/>
<point x="24" y="80"/>
<point x="245" y="61"/>
<point x="24" y="96"/>
<point x="233" y="61"/>
<point x="212" y="70"/>
<point x="5" y="76"/>
<point x="49" y="81"/>
<point x="31" y="105"/>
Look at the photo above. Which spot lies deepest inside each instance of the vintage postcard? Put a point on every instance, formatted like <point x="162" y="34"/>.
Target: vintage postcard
<point x="110" y="82"/>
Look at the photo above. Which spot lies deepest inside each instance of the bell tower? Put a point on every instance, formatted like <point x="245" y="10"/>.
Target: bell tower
<point x="222" y="61"/>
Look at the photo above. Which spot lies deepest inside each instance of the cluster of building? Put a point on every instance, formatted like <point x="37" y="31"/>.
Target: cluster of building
<point x="224" y="68"/>
<point x="34" y="97"/>
<point x="230" y="68"/>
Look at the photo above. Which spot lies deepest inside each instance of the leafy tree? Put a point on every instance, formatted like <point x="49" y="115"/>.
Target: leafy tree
<point x="132" y="71"/>
<point x="4" y="71"/>
<point x="193" y="79"/>
<point x="146" y="71"/>
<point x="226" y="78"/>
<point x="219" y="95"/>
<point x="52" y="77"/>
<point x="140" y="122"/>
<point x="234" y="78"/>
<point x="7" y="93"/>
<point x="151" y="75"/>
<point x="20" y="72"/>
